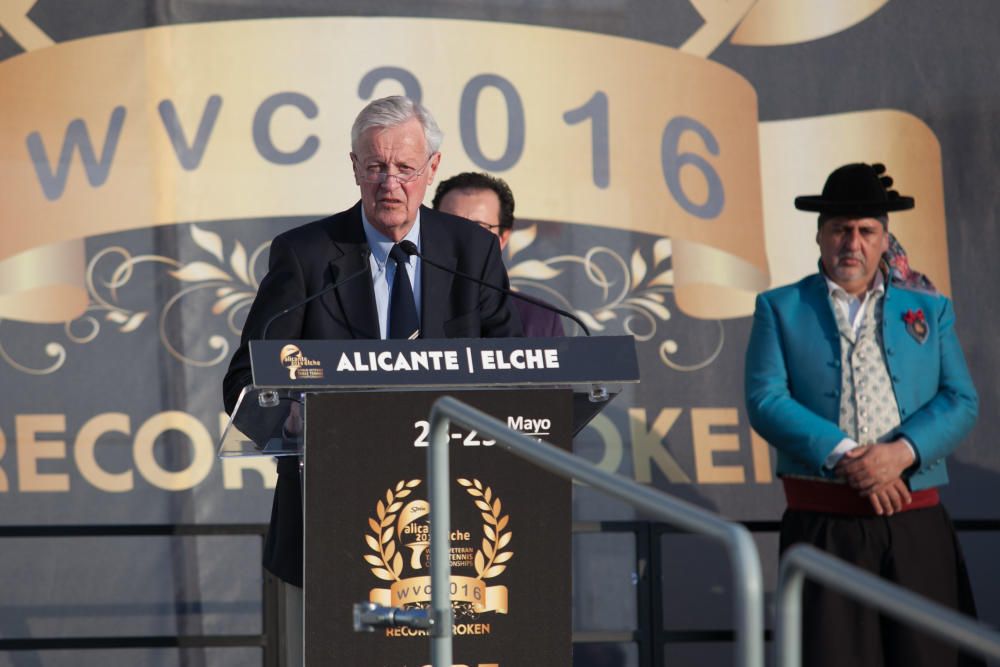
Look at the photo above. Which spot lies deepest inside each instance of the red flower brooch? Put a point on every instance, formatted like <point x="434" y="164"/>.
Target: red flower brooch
<point x="916" y="324"/>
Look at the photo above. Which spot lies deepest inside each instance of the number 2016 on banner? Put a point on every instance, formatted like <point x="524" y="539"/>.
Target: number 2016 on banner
<point x="595" y="110"/>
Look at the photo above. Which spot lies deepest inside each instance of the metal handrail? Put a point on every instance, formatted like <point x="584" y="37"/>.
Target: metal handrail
<point x="885" y="596"/>
<point x="748" y="589"/>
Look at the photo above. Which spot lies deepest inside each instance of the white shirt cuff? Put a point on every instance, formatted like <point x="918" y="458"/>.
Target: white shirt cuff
<point x="842" y="448"/>
<point x="909" y="444"/>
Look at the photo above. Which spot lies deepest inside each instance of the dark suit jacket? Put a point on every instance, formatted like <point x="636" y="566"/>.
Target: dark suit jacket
<point x="306" y="259"/>
<point x="537" y="321"/>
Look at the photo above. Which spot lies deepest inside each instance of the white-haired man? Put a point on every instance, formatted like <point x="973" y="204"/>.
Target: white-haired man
<point x="394" y="153"/>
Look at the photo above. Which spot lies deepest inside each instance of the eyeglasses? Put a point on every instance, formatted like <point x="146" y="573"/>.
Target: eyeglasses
<point x="488" y="227"/>
<point x="378" y="173"/>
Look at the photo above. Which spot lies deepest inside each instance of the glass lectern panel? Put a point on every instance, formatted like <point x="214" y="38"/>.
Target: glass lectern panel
<point x="266" y="422"/>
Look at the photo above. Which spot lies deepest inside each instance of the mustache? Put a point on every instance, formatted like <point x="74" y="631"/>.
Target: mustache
<point x="851" y="255"/>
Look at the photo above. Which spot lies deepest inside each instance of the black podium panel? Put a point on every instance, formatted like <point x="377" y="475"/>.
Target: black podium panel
<point x="367" y="529"/>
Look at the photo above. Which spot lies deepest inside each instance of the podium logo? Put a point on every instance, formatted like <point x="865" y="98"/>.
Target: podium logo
<point x="399" y="552"/>
<point x="299" y="366"/>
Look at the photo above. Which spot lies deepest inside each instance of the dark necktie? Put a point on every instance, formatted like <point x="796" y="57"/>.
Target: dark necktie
<point x="403" y="322"/>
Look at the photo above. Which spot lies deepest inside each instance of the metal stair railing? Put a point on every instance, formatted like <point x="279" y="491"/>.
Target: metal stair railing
<point x="889" y="598"/>
<point x="748" y="593"/>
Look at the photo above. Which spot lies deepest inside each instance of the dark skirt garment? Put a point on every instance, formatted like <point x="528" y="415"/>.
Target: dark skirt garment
<point x="918" y="550"/>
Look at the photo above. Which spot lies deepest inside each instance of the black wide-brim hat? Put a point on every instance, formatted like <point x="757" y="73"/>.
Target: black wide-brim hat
<point x="856" y="189"/>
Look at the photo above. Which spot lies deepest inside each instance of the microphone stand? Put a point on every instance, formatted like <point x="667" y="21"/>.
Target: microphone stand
<point x="410" y="248"/>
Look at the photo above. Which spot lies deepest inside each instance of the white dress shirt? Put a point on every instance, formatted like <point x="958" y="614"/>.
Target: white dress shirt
<point x="384" y="271"/>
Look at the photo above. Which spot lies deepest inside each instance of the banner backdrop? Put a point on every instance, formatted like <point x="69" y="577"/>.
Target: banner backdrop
<point x="149" y="152"/>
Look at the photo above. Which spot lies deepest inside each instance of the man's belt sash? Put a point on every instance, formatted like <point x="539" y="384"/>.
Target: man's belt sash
<point x="816" y="495"/>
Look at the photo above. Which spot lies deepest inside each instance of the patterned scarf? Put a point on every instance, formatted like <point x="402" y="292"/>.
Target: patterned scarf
<point x="899" y="269"/>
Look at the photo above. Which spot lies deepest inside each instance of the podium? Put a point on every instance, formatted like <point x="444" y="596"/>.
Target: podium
<point x="356" y="412"/>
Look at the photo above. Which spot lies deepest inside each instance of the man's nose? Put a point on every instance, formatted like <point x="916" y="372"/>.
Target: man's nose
<point x="389" y="183"/>
<point x="853" y="239"/>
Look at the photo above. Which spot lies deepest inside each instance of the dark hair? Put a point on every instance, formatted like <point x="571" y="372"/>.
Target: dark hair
<point x="470" y="180"/>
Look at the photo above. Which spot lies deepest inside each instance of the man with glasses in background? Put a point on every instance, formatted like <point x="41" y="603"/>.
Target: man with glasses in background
<point x="488" y="201"/>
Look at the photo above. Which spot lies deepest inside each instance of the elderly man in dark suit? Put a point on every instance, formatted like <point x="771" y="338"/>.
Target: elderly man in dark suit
<point x="394" y="153"/>
<point x="488" y="201"/>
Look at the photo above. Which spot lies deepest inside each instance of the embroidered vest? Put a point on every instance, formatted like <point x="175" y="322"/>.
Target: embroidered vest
<point x="868" y="408"/>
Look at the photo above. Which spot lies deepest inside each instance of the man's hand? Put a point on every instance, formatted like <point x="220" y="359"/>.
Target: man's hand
<point x="890" y="498"/>
<point x="293" y="422"/>
<point x="871" y="467"/>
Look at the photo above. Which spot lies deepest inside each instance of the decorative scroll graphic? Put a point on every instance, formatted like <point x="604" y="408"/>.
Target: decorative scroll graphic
<point x="692" y="164"/>
<point x="401" y="524"/>
<point x="632" y="296"/>
<point x="231" y="282"/>
<point x="758" y="22"/>
<point x="683" y="157"/>
<point x="635" y="295"/>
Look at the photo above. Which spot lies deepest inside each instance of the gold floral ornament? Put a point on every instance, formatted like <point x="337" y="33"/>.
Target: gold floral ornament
<point x="387" y="562"/>
<point x="489" y="560"/>
<point x="234" y="283"/>
<point x="772" y="22"/>
<point x="395" y="522"/>
<point x="630" y="293"/>
<point x="234" y="291"/>
<point x="781" y="22"/>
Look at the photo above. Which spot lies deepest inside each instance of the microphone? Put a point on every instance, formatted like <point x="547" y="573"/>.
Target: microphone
<point x="410" y="248"/>
<point x="365" y="254"/>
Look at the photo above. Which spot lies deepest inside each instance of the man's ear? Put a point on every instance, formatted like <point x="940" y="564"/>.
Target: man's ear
<point x="435" y="162"/>
<point x="504" y="235"/>
<point x="354" y="168"/>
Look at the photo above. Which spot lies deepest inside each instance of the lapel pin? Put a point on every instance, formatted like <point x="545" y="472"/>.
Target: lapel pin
<point x="916" y="325"/>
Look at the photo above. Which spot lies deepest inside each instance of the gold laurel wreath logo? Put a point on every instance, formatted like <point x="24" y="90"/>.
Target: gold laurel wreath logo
<point x="387" y="561"/>
<point x="489" y="560"/>
<point x="388" y="564"/>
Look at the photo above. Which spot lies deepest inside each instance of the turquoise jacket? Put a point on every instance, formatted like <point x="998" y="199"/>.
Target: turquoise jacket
<point x="793" y="380"/>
